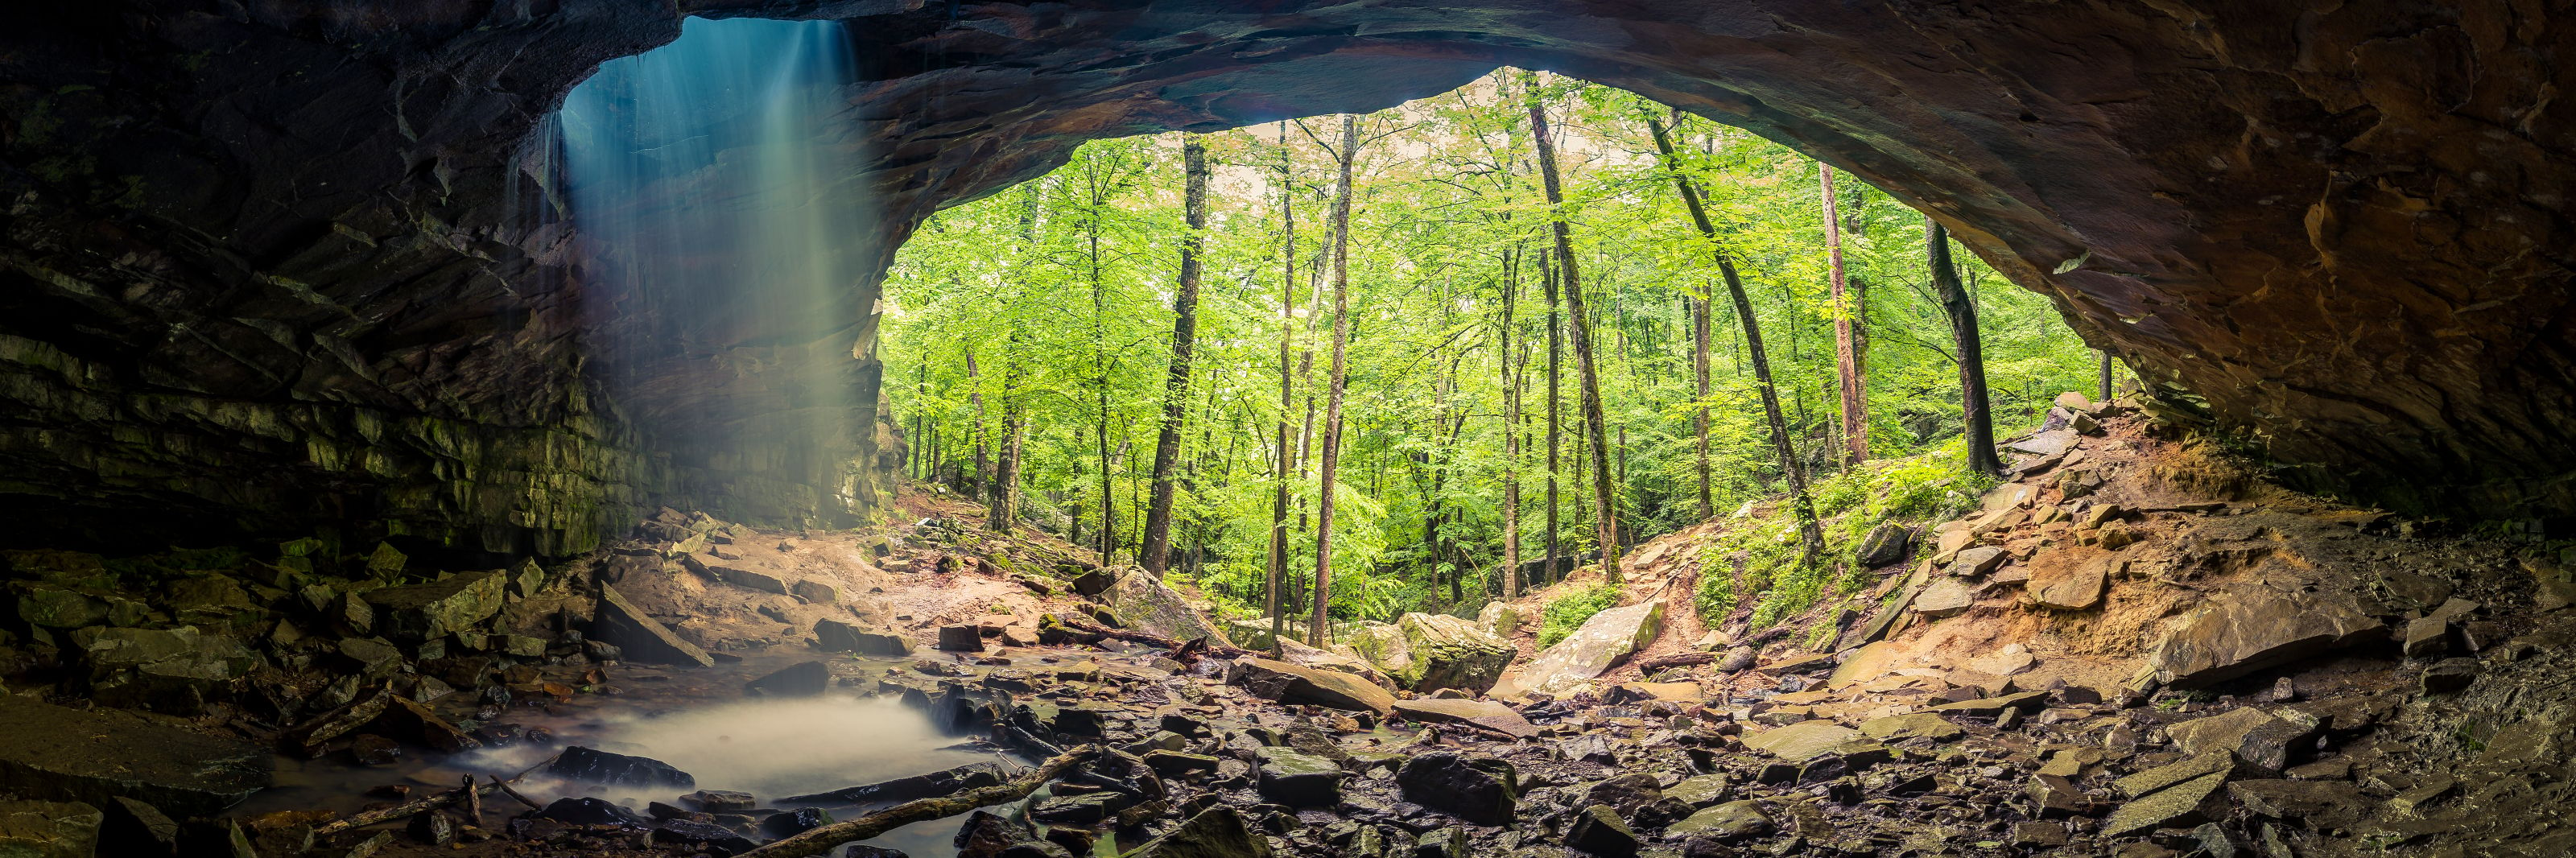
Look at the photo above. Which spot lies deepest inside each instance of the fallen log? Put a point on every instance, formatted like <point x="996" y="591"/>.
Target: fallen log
<point x="423" y="805"/>
<point x="826" y="838"/>
<point x="1098" y="631"/>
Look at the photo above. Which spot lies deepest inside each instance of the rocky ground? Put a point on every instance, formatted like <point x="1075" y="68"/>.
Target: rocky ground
<point x="2131" y="647"/>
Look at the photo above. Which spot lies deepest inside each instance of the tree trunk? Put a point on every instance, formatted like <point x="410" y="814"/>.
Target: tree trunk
<point x="1185" y="323"/>
<point x="1855" y="408"/>
<point x="2107" y="393"/>
<point x="1972" y="361"/>
<point x="1511" y="438"/>
<point x="1287" y="397"/>
<point x="1699" y="370"/>
<point x="1555" y="423"/>
<point x="1332" y="454"/>
<point x="1003" y="510"/>
<point x="1810" y="533"/>
<point x="1605" y="517"/>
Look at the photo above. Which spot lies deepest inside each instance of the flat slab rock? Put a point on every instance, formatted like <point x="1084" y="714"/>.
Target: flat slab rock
<point x="1801" y="741"/>
<point x="1482" y="713"/>
<point x="1290" y="683"/>
<point x="1601" y="642"/>
<point x="51" y="752"/>
<point x="2249" y="627"/>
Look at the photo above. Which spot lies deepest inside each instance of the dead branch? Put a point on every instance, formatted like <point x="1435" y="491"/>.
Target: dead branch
<point x="824" y="839"/>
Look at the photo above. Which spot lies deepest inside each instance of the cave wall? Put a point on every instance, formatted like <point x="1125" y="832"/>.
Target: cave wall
<point x="274" y="266"/>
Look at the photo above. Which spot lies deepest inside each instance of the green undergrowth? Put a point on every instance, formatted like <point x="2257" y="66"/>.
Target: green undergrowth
<point x="1930" y="487"/>
<point x="1568" y="612"/>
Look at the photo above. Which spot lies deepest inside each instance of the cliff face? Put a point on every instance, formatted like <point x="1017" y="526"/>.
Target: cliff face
<point x="280" y="265"/>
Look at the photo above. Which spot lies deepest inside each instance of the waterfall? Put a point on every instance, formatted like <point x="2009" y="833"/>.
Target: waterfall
<point x="714" y="185"/>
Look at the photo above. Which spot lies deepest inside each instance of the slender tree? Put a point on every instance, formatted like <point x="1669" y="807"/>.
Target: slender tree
<point x="1855" y="406"/>
<point x="1555" y="419"/>
<point x="1971" y="351"/>
<point x="1511" y="432"/>
<point x="2107" y="392"/>
<point x="1185" y="322"/>
<point x="1343" y="158"/>
<point x="1605" y="517"/>
<point x="1287" y="396"/>
<point x="1810" y="532"/>
<point x="1699" y="319"/>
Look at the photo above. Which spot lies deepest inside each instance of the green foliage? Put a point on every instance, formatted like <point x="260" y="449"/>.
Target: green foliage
<point x="1567" y="613"/>
<point x="1058" y="293"/>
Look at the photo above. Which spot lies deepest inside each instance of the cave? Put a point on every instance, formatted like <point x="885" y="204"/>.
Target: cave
<point x="271" y="270"/>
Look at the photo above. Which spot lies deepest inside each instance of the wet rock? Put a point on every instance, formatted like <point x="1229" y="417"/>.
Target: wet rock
<point x="1077" y="809"/>
<point x="1738" y="659"/>
<point x="1944" y="597"/>
<point x="418" y="612"/>
<point x="1732" y="821"/>
<point x="47" y="829"/>
<point x="592" y="766"/>
<point x="136" y="828"/>
<point x="1801" y="741"/>
<point x="794" y="822"/>
<point x="715" y="839"/>
<point x="369" y="749"/>
<point x="1217" y="832"/>
<point x="412" y="722"/>
<point x="720" y="801"/>
<point x="1172" y="764"/>
<point x="1481" y="790"/>
<point x="1290" y="683"/>
<point x="583" y="810"/>
<point x="837" y="636"/>
<point x="943" y="782"/>
<point x="803" y="679"/>
<point x="639" y="636"/>
<point x="54" y="753"/>
<point x="1883" y="545"/>
<point x="1093" y="582"/>
<point x="1599" y="830"/>
<point x="434" y="828"/>
<point x="1298" y="779"/>
<point x="1601" y="642"/>
<point x="2182" y="805"/>
<point x="2449" y="675"/>
<point x="2253" y="626"/>
<point x="1449" y="652"/>
<point x="1483" y="713"/>
<point x="963" y="637"/>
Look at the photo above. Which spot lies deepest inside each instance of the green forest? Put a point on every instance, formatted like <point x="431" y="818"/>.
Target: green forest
<point x="1189" y="305"/>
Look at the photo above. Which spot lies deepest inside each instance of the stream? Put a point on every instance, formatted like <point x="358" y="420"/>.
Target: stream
<point x="700" y="721"/>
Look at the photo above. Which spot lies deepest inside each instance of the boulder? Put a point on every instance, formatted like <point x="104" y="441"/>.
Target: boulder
<point x="1253" y="634"/>
<point x="1146" y="604"/>
<point x="1290" y="683"/>
<point x="2253" y="626"/>
<point x="593" y="766"/>
<point x="1301" y="655"/>
<point x="48" y="829"/>
<point x="419" y="612"/>
<point x="166" y="670"/>
<point x="1883" y="545"/>
<point x="1600" y="643"/>
<point x="1481" y="790"/>
<point x="1217" y="832"/>
<point x="816" y="591"/>
<point x="1299" y="779"/>
<point x="961" y="637"/>
<point x="1379" y="645"/>
<point x="1599" y="830"/>
<point x="1500" y="619"/>
<point x="1483" y="713"/>
<point x="57" y="608"/>
<point x="1448" y="652"/>
<point x="837" y="636"/>
<point x="95" y="756"/>
<point x="1977" y="561"/>
<point x="638" y="636"/>
<point x="1093" y="582"/>
<point x="748" y="579"/>
<point x="803" y="679"/>
<point x="410" y="721"/>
